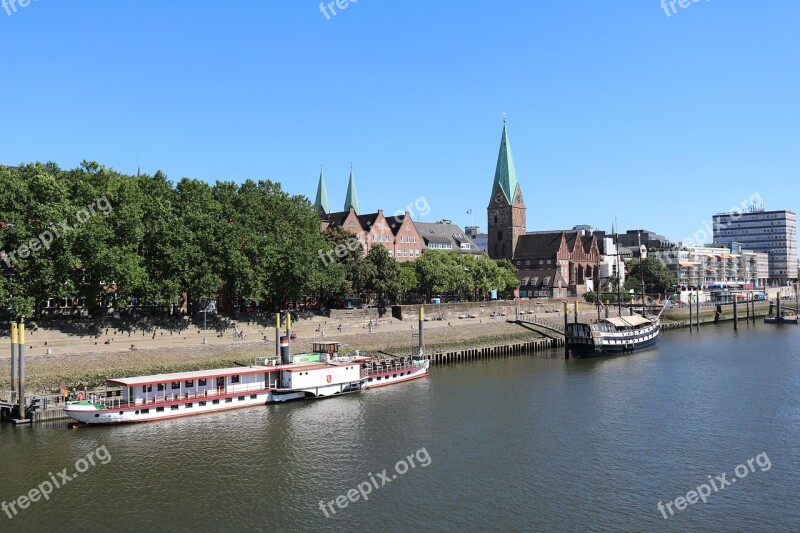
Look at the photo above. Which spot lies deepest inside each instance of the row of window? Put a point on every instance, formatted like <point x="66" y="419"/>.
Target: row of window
<point x="189" y="405"/>
<point x="401" y="374"/>
<point x="176" y="385"/>
<point x="405" y="253"/>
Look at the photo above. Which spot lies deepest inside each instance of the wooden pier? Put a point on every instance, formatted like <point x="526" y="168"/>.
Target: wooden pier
<point x="531" y="348"/>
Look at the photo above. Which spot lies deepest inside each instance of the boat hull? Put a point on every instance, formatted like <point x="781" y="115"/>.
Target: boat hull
<point x="391" y="378"/>
<point x="599" y="343"/>
<point x="91" y="413"/>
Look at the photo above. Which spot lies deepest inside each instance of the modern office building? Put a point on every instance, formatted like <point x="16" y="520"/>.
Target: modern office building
<point x="770" y="232"/>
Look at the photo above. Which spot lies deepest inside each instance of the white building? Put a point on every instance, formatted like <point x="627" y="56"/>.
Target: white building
<point x="770" y="232"/>
<point x="710" y="266"/>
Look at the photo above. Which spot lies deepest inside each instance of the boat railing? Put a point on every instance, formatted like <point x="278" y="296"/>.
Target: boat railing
<point x="372" y="369"/>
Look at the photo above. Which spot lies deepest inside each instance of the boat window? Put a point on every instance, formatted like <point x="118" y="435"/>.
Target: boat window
<point x="241" y="398"/>
<point x="189" y="383"/>
<point x="159" y="409"/>
<point x="235" y="379"/>
<point x="162" y="386"/>
<point x="147" y="388"/>
<point x="173" y="407"/>
<point x="189" y="405"/>
<point x="253" y="396"/>
<point x="202" y="404"/>
<point x="228" y="400"/>
<point x="201" y="382"/>
<point x="145" y="411"/>
<point x="215" y="402"/>
<point x="176" y="385"/>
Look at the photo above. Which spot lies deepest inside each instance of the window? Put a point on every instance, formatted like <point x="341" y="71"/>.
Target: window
<point x="189" y="405"/>
<point x="241" y="398"/>
<point x="202" y="404"/>
<point x="162" y="386"/>
<point x="173" y="407"/>
<point x="499" y="235"/>
<point x="189" y="383"/>
<point x="228" y="400"/>
<point x="145" y="411"/>
<point x="253" y="396"/>
<point x="159" y="409"/>
<point x="176" y="385"/>
<point x="214" y="402"/>
<point x="201" y="382"/>
<point x="147" y="388"/>
<point x="235" y="379"/>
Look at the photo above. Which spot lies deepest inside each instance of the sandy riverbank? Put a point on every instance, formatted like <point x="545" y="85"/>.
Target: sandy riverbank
<point x="90" y="365"/>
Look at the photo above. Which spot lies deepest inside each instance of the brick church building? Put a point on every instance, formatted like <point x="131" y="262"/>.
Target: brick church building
<point x="549" y="264"/>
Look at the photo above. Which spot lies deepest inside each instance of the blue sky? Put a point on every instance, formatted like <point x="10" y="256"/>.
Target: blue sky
<point x="613" y="107"/>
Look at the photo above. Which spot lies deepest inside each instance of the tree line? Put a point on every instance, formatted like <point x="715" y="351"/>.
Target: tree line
<point x="106" y="237"/>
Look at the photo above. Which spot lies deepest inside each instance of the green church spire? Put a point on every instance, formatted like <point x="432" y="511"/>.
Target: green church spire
<point x="505" y="175"/>
<point x="322" y="196"/>
<point x="351" y="200"/>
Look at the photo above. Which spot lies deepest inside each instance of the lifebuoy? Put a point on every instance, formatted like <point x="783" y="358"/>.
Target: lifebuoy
<point x="80" y="395"/>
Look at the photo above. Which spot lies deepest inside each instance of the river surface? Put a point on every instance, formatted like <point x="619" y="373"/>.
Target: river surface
<point x="518" y="444"/>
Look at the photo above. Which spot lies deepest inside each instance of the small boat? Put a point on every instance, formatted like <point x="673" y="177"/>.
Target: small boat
<point x="614" y="335"/>
<point x="320" y="374"/>
<point x="784" y="318"/>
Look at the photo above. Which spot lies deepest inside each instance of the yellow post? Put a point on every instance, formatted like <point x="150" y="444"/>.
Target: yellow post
<point x="278" y="335"/>
<point x="14" y="342"/>
<point x="21" y="369"/>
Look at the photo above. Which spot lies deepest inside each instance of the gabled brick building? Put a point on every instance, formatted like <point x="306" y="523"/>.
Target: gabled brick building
<point x="397" y="233"/>
<point x="572" y="256"/>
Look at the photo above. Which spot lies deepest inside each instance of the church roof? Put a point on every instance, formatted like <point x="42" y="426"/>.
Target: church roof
<point x="321" y="203"/>
<point x="505" y="174"/>
<point x="351" y="200"/>
<point x="538" y="245"/>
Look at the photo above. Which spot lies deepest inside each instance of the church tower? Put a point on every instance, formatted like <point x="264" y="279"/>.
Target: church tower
<point x="506" y="208"/>
<point x="351" y="199"/>
<point x="321" y="203"/>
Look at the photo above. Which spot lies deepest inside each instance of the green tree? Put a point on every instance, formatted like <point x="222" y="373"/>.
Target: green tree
<point x="657" y="277"/>
<point x="385" y="273"/>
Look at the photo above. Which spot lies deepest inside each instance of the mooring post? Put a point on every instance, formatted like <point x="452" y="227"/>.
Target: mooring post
<point x="735" y="314"/>
<point x="575" y="307"/>
<point x="421" y="329"/>
<point x="691" y="317"/>
<point x="21" y="369"/>
<point x="566" y="323"/>
<point x="697" y="310"/>
<point x="747" y="306"/>
<point x="289" y="329"/>
<point x="278" y="335"/>
<point x="778" y="309"/>
<point x="13" y="359"/>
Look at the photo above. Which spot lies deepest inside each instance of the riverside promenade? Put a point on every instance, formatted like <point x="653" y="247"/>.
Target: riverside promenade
<point x="83" y="352"/>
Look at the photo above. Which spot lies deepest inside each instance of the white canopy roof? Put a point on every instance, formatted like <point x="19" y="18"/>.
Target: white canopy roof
<point x="628" y="321"/>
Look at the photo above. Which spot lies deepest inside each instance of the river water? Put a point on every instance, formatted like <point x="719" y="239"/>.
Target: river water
<point x="520" y="444"/>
